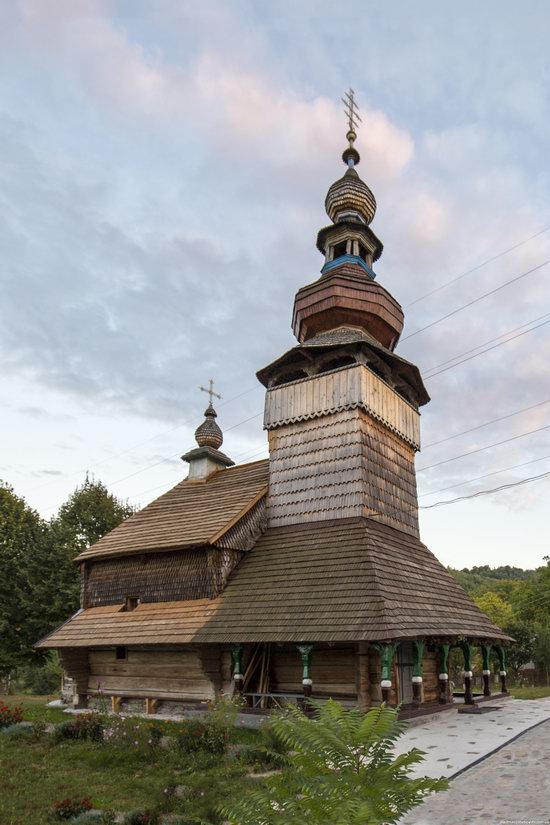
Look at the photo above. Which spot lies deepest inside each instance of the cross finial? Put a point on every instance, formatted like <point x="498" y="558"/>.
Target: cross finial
<point x="351" y="109"/>
<point x="210" y="391"/>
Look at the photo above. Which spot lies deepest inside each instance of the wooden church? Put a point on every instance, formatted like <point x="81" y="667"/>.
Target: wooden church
<point x="303" y="574"/>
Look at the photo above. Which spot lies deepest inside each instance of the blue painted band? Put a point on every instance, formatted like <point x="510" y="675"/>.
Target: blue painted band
<point x="348" y="259"/>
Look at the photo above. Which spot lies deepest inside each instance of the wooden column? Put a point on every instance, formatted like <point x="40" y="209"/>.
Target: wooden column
<point x="443" y="655"/>
<point x="502" y="662"/>
<point x="486" y="655"/>
<point x="306" y="651"/>
<point x="418" y="654"/>
<point x="363" y="687"/>
<point x="236" y="653"/>
<point x="468" y="651"/>
<point x="387" y="652"/>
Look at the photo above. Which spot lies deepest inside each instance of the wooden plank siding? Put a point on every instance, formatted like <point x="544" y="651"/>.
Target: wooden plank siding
<point x="343" y="389"/>
<point x="333" y="670"/>
<point x="183" y="672"/>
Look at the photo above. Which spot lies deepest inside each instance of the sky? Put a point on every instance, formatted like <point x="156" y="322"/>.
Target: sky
<point x="163" y="169"/>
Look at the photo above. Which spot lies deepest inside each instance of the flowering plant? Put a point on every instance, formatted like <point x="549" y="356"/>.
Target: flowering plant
<point x="70" y="808"/>
<point x="10" y="716"/>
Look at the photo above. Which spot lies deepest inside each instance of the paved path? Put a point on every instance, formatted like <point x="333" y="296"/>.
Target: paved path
<point x="508" y="788"/>
<point x="453" y="741"/>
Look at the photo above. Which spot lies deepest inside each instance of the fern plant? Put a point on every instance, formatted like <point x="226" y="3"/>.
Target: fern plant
<point x="342" y="770"/>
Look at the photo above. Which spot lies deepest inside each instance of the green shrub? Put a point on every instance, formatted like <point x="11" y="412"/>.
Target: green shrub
<point x="38" y="729"/>
<point x="341" y="769"/>
<point x="88" y="726"/>
<point x="19" y="730"/>
<point x="203" y="735"/>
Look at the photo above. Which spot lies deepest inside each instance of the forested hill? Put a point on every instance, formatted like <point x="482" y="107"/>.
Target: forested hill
<point x="482" y="579"/>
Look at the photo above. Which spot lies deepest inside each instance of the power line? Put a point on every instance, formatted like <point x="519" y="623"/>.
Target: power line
<point x="485" y="475"/>
<point x="485" y="424"/>
<point x="475" y="268"/>
<point x="488" y="349"/>
<point x="485" y="492"/>
<point x="485" y="343"/>
<point x="482" y="449"/>
<point x="139" y="444"/>
<point x="176" y="455"/>
<point x="476" y="300"/>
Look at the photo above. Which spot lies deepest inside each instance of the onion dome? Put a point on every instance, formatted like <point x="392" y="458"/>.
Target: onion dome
<point x="209" y="434"/>
<point x="350" y="197"/>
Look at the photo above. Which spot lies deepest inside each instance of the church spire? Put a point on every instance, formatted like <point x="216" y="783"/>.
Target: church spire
<point x="206" y="458"/>
<point x="346" y="293"/>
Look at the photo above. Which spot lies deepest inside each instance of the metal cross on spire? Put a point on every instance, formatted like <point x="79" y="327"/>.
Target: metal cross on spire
<point x="351" y="109"/>
<point x="210" y="391"/>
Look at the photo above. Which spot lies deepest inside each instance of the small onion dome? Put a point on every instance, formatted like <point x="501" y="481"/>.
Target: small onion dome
<point x="209" y="434"/>
<point x="350" y="196"/>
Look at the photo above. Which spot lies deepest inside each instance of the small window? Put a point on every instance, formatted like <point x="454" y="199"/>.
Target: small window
<point x="121" y="652"/>
<point x="130" y="603"/>
<point x="340" y="249"/>
<point x="363" y="253"/>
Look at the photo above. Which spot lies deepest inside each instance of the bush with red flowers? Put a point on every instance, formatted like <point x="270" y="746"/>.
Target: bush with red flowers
<point x="70" y="808"/>
<point x="10" y="716"/>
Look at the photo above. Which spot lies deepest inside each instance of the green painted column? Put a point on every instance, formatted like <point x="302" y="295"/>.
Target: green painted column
<point x="387" y="652"/>
<point x="443" y="654"/>
<point x="468" y="651"/>
<point x="418" y="654"/>
<point x="306" y="652"/>
<point x="501" y="653"/>
<point x="486" y="656"/>
<point x="236" y="653"/>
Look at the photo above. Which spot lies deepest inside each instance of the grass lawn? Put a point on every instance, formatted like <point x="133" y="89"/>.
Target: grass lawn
<point x="123" y="776"/>
<point x="528" y="692"/>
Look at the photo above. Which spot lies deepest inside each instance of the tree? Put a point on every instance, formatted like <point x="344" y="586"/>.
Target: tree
<point x="39" y="582"/>
<point x="541" y="650"/>
<point x="521" y="650"/>
<point x="498" y="610"/>
<point x="89" y="513"/>
<point x="341" y="769"/>
<point x="24" y="540"/>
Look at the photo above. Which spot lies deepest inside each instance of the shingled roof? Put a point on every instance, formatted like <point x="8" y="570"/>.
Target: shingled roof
<point x="351" y="580"/>
<point x="190" y="514"/>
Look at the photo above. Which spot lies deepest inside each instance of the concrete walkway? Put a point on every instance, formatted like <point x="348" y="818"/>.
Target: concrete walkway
<point x="508" y="788"/>
<point x="452" y="741"/>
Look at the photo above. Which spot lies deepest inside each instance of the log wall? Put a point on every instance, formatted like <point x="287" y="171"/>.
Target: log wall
<point x="188" y="672"/>
<point x="333" y="670"/>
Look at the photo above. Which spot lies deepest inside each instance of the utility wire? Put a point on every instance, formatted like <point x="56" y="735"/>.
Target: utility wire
<point x="485" y="475"/>
<point x="485" y="343"/>
<point x="476" y="300"/>
<point x="139" y="444"/>
<point x="482" y="449"/>
<point x="484" y="424"/>
<point x="488" y="349"/>
<point x="485" y="492"/>
<point x="475" y="268"/>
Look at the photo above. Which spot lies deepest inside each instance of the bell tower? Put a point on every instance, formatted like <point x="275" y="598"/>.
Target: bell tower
<point x="342" y="407"/>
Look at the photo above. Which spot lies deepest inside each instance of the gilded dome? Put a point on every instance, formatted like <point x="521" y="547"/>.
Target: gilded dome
<point x="209" y="434"/>
<point x="350" y="198"/>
